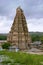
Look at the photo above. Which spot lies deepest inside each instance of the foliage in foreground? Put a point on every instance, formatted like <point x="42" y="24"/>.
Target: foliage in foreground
<point x="23" y="58"/>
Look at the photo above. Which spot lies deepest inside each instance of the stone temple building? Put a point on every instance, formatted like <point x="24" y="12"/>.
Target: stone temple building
<point x="19" y="35"/>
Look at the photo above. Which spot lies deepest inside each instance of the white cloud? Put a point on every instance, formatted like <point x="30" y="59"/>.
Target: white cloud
<point x="35" y="24"/>
<point x="5" y="24"/>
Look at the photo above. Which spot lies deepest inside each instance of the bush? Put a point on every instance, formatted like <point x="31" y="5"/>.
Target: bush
<point x="6" y="45"/>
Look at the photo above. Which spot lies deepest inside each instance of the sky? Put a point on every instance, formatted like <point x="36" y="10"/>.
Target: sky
<point x="33" y="11"/>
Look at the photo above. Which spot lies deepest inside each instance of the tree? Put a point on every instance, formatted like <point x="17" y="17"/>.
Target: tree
<point x="35" y="38"/>
<point x="6" y="45"/>
<point x="41" y="38"/>
<point x="3" y="37"/>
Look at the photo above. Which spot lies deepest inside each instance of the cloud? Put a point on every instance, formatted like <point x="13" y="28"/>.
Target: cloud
<point x="32" y="8"/>
<point x="35" y="24"/>
<point x="5" y="24"/>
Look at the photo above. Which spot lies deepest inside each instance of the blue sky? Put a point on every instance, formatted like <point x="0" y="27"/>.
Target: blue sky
<point x="33" y="10"/>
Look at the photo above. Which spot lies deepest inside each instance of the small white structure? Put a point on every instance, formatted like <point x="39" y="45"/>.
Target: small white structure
<point x="16" y="49"/>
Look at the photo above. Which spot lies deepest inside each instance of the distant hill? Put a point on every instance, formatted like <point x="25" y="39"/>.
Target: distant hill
<point x="36" y="33"/>
<point x="3" y="34"/>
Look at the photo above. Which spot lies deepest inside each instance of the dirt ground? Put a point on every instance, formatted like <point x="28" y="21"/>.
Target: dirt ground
<point x="39" y="53"/>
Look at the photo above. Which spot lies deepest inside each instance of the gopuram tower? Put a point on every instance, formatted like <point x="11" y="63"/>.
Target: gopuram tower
<point x="19" y="35"/>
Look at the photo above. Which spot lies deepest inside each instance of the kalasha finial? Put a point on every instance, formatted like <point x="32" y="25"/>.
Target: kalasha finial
<point x="19" y="8"/>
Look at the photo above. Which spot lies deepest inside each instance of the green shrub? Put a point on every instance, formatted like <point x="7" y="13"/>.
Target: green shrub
<point x="6" y="45"/>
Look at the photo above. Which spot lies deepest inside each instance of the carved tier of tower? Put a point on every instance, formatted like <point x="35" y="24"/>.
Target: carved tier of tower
<point x="19" y="35"/>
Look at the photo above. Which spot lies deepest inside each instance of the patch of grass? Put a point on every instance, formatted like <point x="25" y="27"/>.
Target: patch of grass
<point x="23" y="58"/>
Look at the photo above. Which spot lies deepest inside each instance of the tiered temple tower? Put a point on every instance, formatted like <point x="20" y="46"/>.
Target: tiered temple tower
<point x="19" y="35"/>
